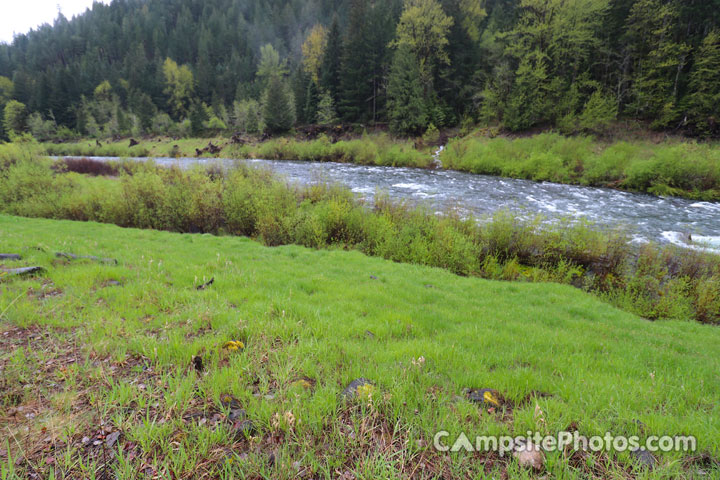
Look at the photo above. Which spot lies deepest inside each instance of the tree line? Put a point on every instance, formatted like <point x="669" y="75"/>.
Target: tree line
<point x="186" y="67"/>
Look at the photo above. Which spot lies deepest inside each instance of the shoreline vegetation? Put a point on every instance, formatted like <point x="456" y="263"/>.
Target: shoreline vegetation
<point x="686" y="169"/>
<point x="652" y="281"/>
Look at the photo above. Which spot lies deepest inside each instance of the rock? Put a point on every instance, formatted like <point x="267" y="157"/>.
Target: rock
<point x="206" y="284"/>
<point x="113" y="283"/>
<point x="644" y="458"/>
<point x="363" y="384"/>
<point x="237" y="414"/>
<point x="72" y="256"/>
<point x="243" y="429"/>
<point x="373" y="277"/>
<point x="10" y="256"/>
<point x="21" y="271"/>
<point x="111" y="439"/>
<point x="529" y="455"/>
<point x="485" y="396"/>
<point x="198" y="363"/>
<point x="133" y="142"/>
<point x="228" y="401"/>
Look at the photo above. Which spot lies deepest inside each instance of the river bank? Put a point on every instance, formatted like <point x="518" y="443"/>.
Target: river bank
<point x="653" y="281"/>
<point x="99" y="375"/>
<point x="684" y="169"/>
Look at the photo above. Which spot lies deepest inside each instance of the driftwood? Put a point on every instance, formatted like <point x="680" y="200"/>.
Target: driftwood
<point x="206" y="285"/>
<point x="72" y="256"/>
<point x="21" y="271"/>
<point x="211" y="149"/>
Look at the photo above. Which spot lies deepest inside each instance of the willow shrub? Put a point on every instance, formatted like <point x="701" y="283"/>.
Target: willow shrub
<point x="652" y="281"/>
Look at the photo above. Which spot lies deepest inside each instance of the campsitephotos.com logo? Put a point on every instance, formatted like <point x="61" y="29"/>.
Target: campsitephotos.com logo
<point x="444" y="441"/>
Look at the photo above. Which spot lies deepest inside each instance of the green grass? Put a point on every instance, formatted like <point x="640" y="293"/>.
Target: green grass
<point x="79" y="355"/>
<point x="374" y="149"/>
<point x="683" y="169"/>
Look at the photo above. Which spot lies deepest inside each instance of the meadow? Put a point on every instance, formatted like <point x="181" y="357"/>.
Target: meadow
<point x="100" y="375"/>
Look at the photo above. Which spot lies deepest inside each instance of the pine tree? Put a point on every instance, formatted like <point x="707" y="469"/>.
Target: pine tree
<point x="198" y="117"/>
<point x="704" y="101"/>
<point x="405" y="94"/>
<point x="356" y="89"/>
<point x="660" y="59"/>
<point x="279" y="107"/>
<point x="330" y="68"/>
<point x="310" y="107"/>
<point x="326" y="114"/>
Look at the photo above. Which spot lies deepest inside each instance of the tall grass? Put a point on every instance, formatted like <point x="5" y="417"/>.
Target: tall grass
<point x="652" y="281"/>
<point x="688" y="169"/>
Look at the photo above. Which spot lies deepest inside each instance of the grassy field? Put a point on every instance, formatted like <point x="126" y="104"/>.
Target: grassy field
<point x="374" y="149"/>
<point x="99" y="380"/>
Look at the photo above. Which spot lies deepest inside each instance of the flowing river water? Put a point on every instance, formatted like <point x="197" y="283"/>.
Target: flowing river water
<point x="687" y="223"/>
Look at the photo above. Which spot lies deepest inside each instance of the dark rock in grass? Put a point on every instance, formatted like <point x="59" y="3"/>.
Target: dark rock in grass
<point x="10" y="256"/>
<point x="243" y="429"/>
<point x="72" y="256"/>
<point x="228" y="401"/>
<point x="644" y="458"/>
<point x="237" y="414"/>
<point x="133" y="142"/>
<point x="485" y="396"/>
<point x="351" y="390"/>
<point x="20" y="272"/>
<point x="206" y="284"/>
<point x="373" y="277"/>
<point x="198" y="363"/>
<point x="113" y="283"/>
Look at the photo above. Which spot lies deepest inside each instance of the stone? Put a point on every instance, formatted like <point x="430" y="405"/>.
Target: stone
<point x="228" y="401"/>
<point x="243" y="429"/>
<point x="485" y="396"/>
<point x="10" y="256"/>
<point x="644" y="458"/>
<point x="351" y="390"/>
<point x="530" y="456"/>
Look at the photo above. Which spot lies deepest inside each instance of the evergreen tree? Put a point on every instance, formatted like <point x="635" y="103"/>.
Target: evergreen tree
<point x="659" y="60"/>
<point x="356" y="89"/>
<point x="326" y="114"/>
<point x="330" y="68"/>
<point x="704" y="99"/>
<point x="405" y="94"/>
<point x="278" y="106"/>
<point x="198" y="117"/>
<point x="310" y="107"/>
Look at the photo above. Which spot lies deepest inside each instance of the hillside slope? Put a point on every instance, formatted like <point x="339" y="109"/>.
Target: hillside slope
<point x="95" y="354"/>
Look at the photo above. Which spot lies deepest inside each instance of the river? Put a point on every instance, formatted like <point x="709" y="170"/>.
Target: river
<point x="645" y="217"/>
